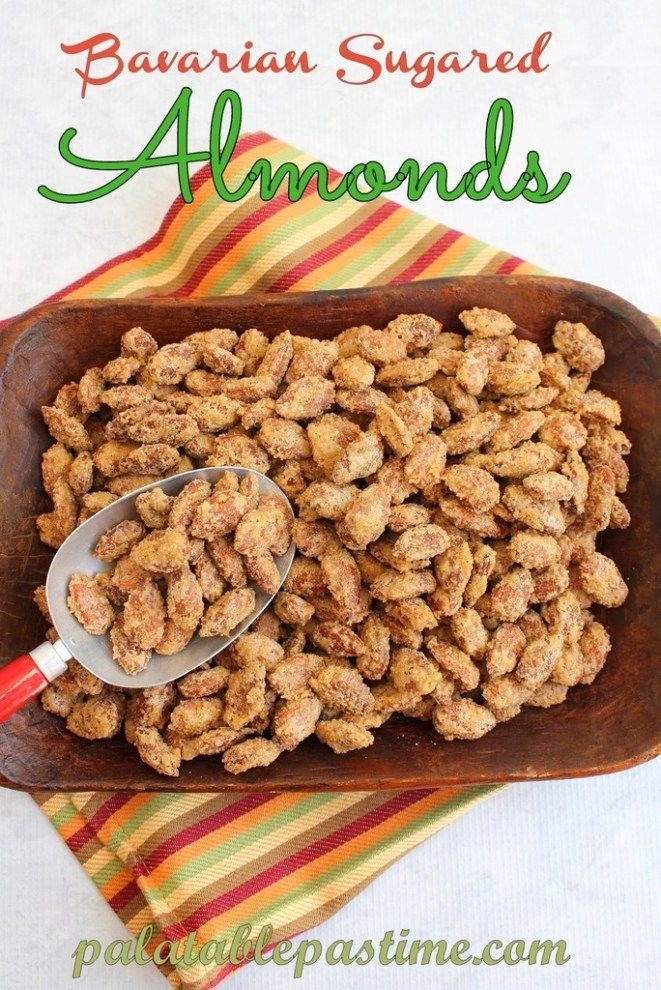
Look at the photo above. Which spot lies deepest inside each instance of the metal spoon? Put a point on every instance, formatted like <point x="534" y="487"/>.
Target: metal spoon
<point x="24" y="678"/>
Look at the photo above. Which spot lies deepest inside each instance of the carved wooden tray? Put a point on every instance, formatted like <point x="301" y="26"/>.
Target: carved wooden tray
<point x="611" y="725"/>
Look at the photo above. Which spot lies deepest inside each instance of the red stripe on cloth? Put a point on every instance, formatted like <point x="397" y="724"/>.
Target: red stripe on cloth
<point x="125" y="896"/>
<point x="242" y="229"/>
<point x="331" y="251"/>
<point x="304" y="856"/>
<point x="509" y="265"/>
<point x="433" y="252"/>
<point x="76" y="841"/>
<point x="197" y="831"/>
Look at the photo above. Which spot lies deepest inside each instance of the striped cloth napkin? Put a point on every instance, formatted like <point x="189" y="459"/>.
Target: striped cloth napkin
<point x="204" y="862"/>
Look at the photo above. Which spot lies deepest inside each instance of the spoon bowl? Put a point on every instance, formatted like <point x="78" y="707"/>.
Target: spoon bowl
<point x="76" y="554"/>
<point x="26" y="677"/>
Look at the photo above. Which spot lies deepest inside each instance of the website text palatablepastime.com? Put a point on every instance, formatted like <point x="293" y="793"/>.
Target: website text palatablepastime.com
<point x="390" y="949"/>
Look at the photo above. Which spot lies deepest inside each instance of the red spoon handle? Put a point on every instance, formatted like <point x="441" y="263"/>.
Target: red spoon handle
<point x="20" y="681"/>
<point x="24" y="678"/>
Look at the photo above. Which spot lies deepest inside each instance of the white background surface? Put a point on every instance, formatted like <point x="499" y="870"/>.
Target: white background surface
<point x="573" y="860"/>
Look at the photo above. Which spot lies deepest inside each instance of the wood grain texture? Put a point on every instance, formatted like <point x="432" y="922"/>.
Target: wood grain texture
<point x="611" y="725"/>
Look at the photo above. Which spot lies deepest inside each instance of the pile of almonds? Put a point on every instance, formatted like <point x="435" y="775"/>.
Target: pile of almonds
<point x="449" y="487"/>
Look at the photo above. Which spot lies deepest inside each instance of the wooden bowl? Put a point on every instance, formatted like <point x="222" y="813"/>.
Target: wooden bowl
<point x="611" y="725"/>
